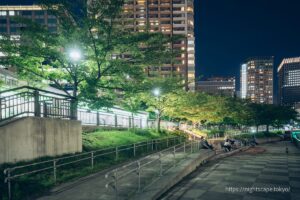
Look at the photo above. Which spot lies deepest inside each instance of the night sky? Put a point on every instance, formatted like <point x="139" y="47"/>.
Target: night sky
<point x="229" y="31"/>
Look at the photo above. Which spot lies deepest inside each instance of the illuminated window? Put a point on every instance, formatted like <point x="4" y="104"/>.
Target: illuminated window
<point x="2" y="13"/>
<point x="11" y="13"/>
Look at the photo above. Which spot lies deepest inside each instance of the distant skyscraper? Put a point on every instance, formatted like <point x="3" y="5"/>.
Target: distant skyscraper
<point x="289" y="82"/>
<point x="257" y="79"/>
<point x="243" y="81"/>
<point x="217" y="86"/>
<point x="171" y="17"/>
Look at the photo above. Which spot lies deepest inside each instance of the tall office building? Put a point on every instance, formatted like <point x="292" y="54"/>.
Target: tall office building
<point x="171" y="17"/>
<point x="257" y="79"/>
<point x="217" y="86"/>
<point x="289" y="82"/>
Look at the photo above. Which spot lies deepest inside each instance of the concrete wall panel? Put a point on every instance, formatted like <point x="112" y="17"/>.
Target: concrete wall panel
<point x="31" y="137"/>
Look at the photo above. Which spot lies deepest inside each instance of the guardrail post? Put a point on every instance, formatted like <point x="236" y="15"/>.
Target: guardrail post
<point x="160" y="165"/>
<point x="73" y="108"/>
<point x="45" y="110"/>
<point x="117" y="155"/>
<point x="37" y="108"/>
<point x="174" y="152"/>
<point x="54" y="170"/>
<point x="98" y="119"/>
<point x="152" y="145"/>
<point x="156" y="145"/>
<point x="0" y="109"/>
<point x="167" y="142"/>
<point x="116" y="120"/>
<point x="92" y="159"/>
<point x="191" y="147"/>
<point x="139" y="175"/>
<point x="7" y="180"/>
<point x="184" y="147"/>
<point x="134" y="150"/>
<point x="141" y="124"/>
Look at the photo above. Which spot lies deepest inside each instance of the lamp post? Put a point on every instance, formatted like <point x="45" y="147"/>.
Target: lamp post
<point x="156" y="93"/>
<point x="75" y="56"/>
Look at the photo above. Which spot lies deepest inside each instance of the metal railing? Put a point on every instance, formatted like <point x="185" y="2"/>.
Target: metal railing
<point x="138" y="175"/>
<point x="87" y="159"/>
<point x="100" y="118"/>
<point x="28" y="101"/>
<point x="295" y="138"/>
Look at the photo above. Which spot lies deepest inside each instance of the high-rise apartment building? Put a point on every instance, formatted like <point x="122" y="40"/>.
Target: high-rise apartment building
<point x="217" y="86"/>
<point x="289" y="82"/>
<point x="171" y="17"/>
<point x="10" y="26"/>
<point x="257" y="79"/>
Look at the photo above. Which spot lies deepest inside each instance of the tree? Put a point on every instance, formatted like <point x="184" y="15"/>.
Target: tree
<point x="159" y="95"/>
<point x="283" y="115"/>
<point x="90" y="53"/>
<point x="132" y="103"/>
<point x="268" y="114"/>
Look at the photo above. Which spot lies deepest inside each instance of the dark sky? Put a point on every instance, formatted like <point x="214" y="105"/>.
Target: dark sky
<point x="229" y="31"/>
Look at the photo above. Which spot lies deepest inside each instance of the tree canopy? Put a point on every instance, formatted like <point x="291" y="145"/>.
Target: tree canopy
<point x="90" y="56"/>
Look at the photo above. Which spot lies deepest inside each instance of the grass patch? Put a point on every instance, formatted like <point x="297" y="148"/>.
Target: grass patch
<point x="104" y="139"/>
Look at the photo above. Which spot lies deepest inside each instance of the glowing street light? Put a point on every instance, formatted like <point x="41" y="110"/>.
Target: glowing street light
<point x="156" y="92"/>
<point x="75" y="55"/>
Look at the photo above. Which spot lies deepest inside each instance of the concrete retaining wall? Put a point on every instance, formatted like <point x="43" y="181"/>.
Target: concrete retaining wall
<point x="31" y="137"/>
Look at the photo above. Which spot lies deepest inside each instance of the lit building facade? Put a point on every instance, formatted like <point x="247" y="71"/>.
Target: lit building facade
<point x="243" y="82"/>
<point x="8" y="25"/>
<point x="257" y="80"/>
<point x="289" y="82"/>
<point x="171" y="17"/>
<point x="217" y="86"/>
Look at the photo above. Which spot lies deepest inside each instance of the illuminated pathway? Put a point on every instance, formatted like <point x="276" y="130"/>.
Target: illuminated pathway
<point x="234" y="177"/>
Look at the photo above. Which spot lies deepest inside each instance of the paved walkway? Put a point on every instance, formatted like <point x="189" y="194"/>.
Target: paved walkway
<point x="248" y="175"/>
<point x="93" y="187"/>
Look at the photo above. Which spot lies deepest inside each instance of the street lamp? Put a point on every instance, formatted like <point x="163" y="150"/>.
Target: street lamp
<point x="156" y="92"/>
<point x="75" y="55"/>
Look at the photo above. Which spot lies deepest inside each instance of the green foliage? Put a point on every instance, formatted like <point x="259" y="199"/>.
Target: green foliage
<point x="257" y="135"/>
<point x="103" y="139"/>
<point x="42" y="55"/>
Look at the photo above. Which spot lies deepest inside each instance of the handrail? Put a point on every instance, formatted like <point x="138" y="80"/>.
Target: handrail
<point x="33" y="88"/>
<point x="9" y="174"/>
<point x="116" y="175"/>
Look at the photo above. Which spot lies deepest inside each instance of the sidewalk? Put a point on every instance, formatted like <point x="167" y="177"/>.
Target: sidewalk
<point x="262" y="173"/>
<point x="93" y="187"/>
